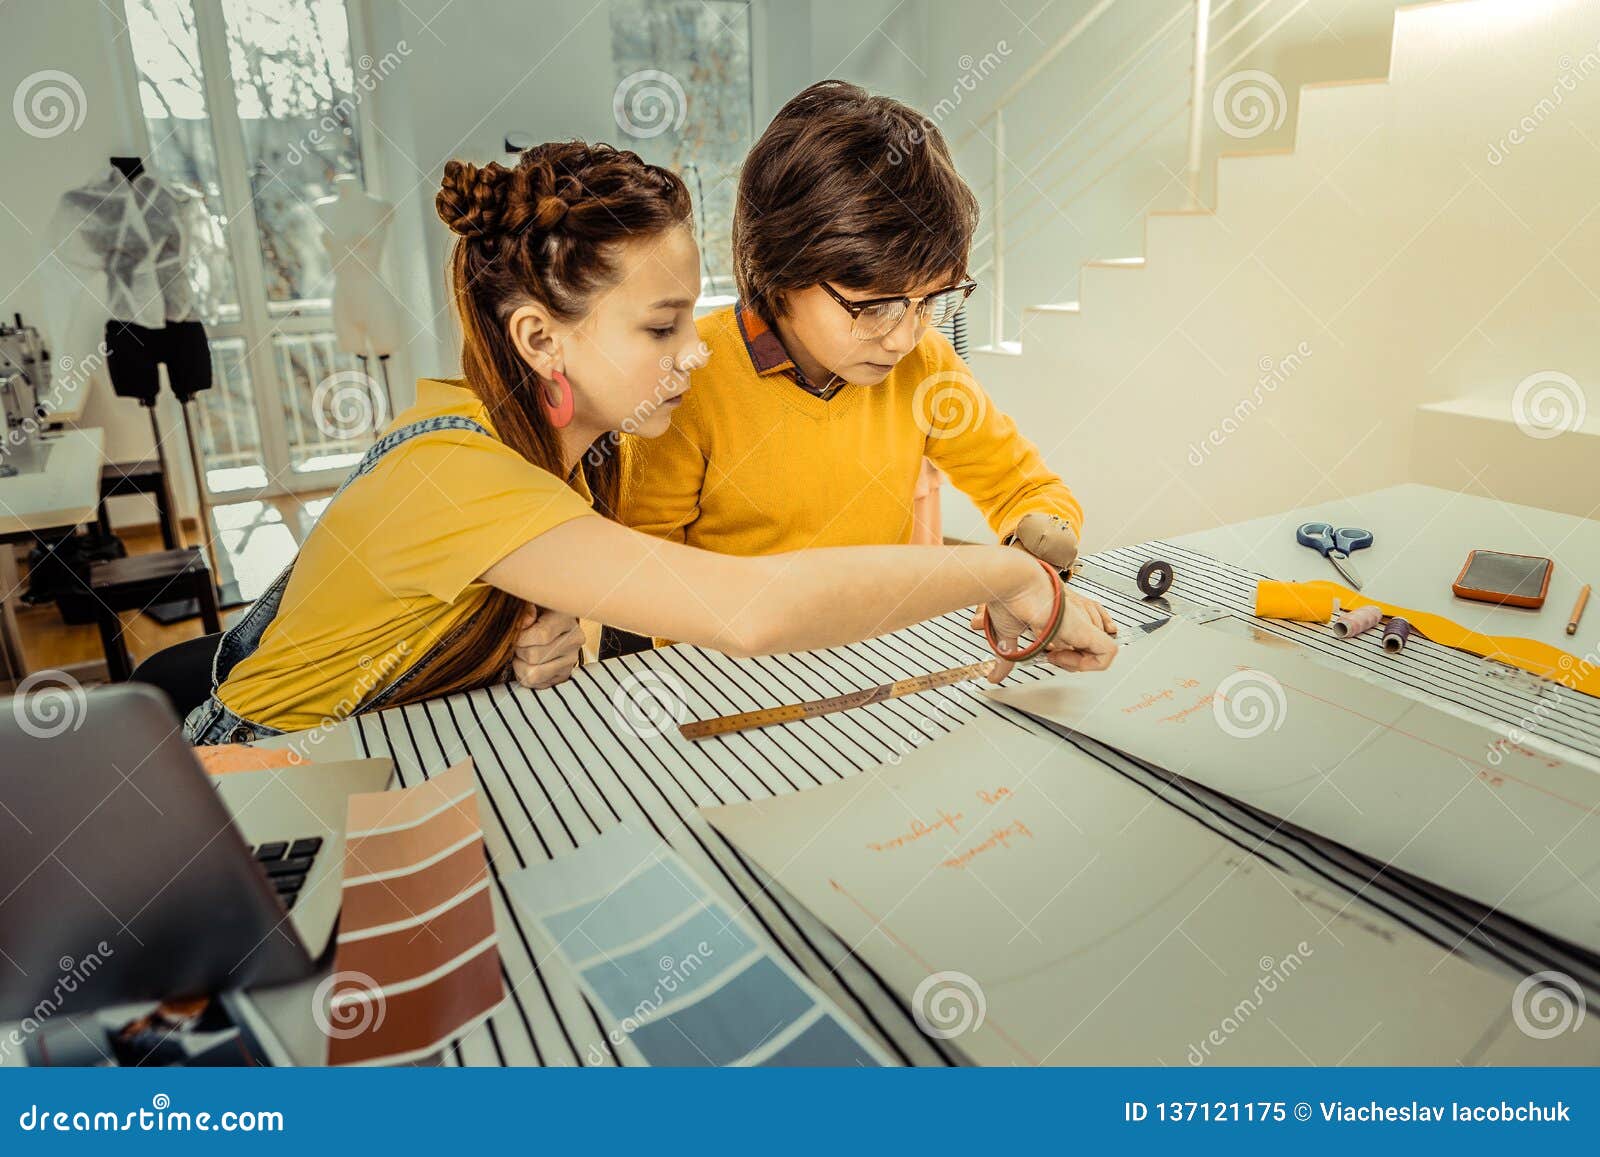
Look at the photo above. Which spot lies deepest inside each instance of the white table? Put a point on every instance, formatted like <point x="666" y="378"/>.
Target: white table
<point x="1421" y="538"/>
<point x="557" y="767"/>
<point x="63" y="495"/>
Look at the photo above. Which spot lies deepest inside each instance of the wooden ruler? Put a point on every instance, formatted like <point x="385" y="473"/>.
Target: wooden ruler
<point x="791" y="712"/>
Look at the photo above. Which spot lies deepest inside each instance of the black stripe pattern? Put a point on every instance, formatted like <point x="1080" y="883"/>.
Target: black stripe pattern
<point x="558" y="767"/>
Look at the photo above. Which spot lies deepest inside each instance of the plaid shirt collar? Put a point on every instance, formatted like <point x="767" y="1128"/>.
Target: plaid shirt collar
<point x="768" y="356"/>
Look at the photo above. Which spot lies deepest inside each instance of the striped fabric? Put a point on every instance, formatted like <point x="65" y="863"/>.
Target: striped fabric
<point x="560" y="766"/>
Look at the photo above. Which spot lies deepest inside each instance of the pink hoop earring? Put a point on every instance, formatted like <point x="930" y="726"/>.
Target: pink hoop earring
<point x="560" y="411"/>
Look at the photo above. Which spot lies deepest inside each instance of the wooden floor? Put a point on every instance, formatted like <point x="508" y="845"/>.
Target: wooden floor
<point x="258" y="538"/>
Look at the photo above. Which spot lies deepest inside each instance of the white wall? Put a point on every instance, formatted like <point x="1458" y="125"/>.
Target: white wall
<point x="1404" y="252"/>
<point x="1113" y="107"/>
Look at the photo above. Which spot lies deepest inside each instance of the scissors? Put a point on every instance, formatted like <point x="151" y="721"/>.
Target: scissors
<point x="1335" y="545"/>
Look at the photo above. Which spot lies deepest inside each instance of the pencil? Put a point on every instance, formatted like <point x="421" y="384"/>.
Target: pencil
<point x="1577" y="610"/>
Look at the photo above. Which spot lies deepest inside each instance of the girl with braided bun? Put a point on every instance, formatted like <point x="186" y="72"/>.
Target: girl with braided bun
<point x="491" y="501"/>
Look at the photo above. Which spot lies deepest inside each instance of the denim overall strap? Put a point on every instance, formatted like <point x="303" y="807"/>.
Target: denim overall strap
<point x="244" y="636"/>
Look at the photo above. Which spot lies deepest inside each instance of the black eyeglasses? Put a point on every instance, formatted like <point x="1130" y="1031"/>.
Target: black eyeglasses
<point x="878" y="316"/>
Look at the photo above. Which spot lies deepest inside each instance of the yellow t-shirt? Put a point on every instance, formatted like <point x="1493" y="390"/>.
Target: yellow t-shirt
<point x="753" y="464"/>
<point x="393" y="564"/>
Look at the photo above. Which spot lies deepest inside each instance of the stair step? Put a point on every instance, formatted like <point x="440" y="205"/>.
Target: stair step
<point x="1344" y="83"/>
<point x="1551" y="468"/>
<point x="1008" y="349"/>
<point x="1053" y="307"/>
<point x="1115" y="263"/>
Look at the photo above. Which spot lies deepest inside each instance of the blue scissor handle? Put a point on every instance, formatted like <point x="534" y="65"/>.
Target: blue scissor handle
<point x="1322" y="538"/>
<point x="1317" y="535"/>
<point x="1349" y="538"/>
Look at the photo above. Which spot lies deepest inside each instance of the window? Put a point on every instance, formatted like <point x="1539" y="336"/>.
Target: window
<point x="253" y="102"/>
<point x="684" y="101"/>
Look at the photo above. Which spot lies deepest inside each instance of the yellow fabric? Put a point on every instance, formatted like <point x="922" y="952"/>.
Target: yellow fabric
<point x="393" y="564"/>
<point x="1312" y="602"/>
<point x="753" y="464"/>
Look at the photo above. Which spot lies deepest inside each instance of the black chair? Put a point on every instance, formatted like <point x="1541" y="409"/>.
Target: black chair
<point x="133" y="583"/>
<point x="137" y="478"/>
<point x="182" y="671"/>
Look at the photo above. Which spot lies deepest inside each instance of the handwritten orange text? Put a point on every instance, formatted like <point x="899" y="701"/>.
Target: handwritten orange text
<point x="1180" y="716"/>
<point x="918" y="829"/>
<point x="1000" y="838"/>
<point x="1147" y="700"/>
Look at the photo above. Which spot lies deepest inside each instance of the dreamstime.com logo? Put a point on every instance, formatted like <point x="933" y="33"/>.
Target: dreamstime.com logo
<point x="649" y="103"/>
<point x="1273" y="974"/>
<point x="348" y="1004"/>
<point x="949" y="1004"/>
<point x="1548" y="404"/>
<point x="1274" y="373"/>
<point x="1249" y="703"/>
<point x="1249" y="103"/>
<point x="49" y="703"/>
<point x="948" y="404"/>
<point x="973" y="72"/>
<point x="1547" y="1004"/>
<point x="160" y="1117"/>
<point x="48" y="103"/>
<point x="71" y="377"/>
<point x="338" y="118"/>
<point x="675" y="974"/>
<point x="668" y="385"/>
<point x="1572" y="72"/>
<point x="74" y="975"/>
<point x="349" y="404"/>
<point x="650" y="703"/>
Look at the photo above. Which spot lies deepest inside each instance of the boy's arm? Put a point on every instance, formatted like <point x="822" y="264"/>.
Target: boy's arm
<point x="661" y="484"/>
<point x="979" y="448"/>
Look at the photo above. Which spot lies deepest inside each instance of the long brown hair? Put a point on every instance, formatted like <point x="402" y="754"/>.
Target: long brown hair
<point x="546" y="231"/>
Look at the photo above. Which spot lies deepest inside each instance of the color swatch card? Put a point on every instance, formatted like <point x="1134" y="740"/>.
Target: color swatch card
<point x="417" y="961"/>
<point x="1031" y="906"/>
<point x="678" y="977"/>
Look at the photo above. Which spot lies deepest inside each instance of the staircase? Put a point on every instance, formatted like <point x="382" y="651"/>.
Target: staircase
<point x="1409" y="293"/>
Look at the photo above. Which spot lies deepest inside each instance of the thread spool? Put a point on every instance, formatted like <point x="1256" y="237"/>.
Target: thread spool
<point x="1396" y="633"/>
<point x="1349" y="624"/>
<point x="1155" y="577"/>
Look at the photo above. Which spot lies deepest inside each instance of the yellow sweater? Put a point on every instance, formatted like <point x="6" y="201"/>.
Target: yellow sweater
<point x="753" y="464"/>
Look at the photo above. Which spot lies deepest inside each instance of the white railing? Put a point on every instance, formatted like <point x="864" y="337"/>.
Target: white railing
<point x="228" y="422"/>
<point x="1051" y="166"/>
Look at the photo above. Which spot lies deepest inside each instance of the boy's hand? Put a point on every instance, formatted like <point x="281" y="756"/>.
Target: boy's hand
<point x="549" y="645"/>
<point x="1052" y="540"/>
<point x="1096" y="613"/>
<point x="1048" y="538"/>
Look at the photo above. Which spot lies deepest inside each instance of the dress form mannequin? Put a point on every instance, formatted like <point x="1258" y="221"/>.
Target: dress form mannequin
<point x="158" y="250"/>
<point x="367" y="317"/>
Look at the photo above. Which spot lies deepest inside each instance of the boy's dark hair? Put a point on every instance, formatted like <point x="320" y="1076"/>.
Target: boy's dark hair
<point x="849" y="188"/>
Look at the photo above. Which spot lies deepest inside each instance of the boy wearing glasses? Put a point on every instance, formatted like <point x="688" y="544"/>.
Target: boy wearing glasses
<point x="828" y="384"/>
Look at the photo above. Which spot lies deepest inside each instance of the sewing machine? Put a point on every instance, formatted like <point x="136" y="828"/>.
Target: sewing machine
<point x="24" y="380"/>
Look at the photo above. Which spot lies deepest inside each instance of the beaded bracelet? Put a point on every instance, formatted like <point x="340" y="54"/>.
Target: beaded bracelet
<point x="1058" y="610"/>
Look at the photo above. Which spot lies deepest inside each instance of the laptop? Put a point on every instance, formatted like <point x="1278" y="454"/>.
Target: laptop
<point x="128" y="874"/>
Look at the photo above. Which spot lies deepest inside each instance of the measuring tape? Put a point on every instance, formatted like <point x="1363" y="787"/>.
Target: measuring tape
<point x="793" y="712"/>
<point x="790" y="713"/>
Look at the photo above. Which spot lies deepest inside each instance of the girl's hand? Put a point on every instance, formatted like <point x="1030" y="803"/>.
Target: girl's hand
<point x="549" y="645"/>
<point x="1083" y="642"/>
<point x="1097" y="613"/>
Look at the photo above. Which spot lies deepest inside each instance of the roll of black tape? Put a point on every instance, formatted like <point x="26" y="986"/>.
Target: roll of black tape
<point x="1155" y="577"/>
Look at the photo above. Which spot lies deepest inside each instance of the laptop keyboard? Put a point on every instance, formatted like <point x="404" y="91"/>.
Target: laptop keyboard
<point x="286" y="863"/>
